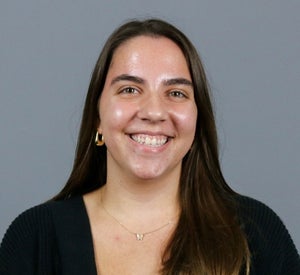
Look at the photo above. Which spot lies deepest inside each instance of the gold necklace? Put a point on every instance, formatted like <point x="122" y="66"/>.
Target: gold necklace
<point x="138" y="236"/>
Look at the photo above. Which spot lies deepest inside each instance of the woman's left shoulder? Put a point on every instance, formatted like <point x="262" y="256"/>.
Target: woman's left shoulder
<point x="250" y="208"/>
<point x="272" y="248"/>
<point x="258" y="218"/>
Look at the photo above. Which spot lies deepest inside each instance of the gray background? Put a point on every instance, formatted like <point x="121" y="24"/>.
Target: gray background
<point x="251" y="53"/>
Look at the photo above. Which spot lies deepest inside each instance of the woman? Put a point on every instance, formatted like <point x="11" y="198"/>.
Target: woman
<point x="149" y="197"/>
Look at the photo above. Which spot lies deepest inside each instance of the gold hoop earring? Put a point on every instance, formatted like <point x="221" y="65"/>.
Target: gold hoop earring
<point x="99" y="141"/>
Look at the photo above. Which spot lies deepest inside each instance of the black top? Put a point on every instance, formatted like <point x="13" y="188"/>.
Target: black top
<point x="55" y="238"/>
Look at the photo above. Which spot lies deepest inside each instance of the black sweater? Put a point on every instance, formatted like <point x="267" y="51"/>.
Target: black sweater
<point x="55" y="238"/>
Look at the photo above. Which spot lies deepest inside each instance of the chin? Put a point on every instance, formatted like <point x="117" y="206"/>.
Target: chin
<point x="148" y="175"/>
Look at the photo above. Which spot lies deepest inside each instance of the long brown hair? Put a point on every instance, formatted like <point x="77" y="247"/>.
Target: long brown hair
<point x="208" y="238"/>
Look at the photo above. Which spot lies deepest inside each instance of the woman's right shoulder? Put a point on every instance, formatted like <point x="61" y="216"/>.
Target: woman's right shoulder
<point x="29" y="220"/>
<point x="32" y="233"/>
<point x="20" y="244"/>
<point x="40" y="216"/>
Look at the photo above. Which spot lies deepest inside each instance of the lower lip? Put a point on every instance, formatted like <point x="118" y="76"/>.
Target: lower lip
<point x="149" y="148"/>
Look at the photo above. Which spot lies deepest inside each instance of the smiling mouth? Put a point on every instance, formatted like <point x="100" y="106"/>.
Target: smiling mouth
<point x="153" y="141"/>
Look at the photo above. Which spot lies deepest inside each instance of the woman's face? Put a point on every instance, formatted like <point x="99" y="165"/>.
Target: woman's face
<point x="147" y="109"/>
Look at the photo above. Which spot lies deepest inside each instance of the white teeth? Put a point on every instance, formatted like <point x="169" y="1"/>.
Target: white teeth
<point x="154" y="141"/>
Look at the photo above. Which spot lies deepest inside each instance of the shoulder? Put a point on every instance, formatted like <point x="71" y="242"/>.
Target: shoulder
<point x="28" y="222"/>
<point x="269" y="241"/>
<point x="259" y="221"/>
<point x="21" y="243"/>
<point x="254" y="212"/>
<point x="31" y="237"/>
<point x="41" y="215"/>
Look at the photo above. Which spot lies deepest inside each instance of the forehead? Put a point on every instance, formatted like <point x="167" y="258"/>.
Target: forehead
<point x="149" y="52"/>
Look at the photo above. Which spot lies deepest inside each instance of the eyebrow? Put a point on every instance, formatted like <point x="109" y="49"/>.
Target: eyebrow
<point x="178" y="81"/>
<point x="139" y="80"/>
<point x="127" y="77"/>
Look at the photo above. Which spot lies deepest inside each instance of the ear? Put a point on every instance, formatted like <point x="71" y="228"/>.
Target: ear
<point x="99" y="128"/>
<point x="99" y="131"/>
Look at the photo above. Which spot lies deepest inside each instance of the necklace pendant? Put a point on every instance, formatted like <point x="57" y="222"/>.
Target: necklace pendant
<point x="139" y="237"/>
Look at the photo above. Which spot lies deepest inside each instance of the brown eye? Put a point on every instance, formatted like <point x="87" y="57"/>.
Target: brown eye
<point x="177" y="94"/>
<point x="129" y="90"/>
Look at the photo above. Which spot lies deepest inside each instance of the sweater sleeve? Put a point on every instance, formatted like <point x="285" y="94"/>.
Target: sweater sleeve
<point x="272" y="249"/>
<point x="28" y="243"/>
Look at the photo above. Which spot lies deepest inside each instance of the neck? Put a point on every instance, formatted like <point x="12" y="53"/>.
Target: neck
<point x="148" y="203"/>
<point x="140" y="198"/>
<point x="127" y="192"/>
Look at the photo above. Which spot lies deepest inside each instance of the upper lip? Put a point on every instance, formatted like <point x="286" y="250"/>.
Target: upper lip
<point x="150" y="133"/>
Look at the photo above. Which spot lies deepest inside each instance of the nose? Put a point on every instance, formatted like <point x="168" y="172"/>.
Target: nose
<point x="153" y="108"/>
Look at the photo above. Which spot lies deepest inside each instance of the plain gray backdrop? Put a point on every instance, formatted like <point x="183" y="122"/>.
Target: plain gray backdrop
<point x="251" y="53"/>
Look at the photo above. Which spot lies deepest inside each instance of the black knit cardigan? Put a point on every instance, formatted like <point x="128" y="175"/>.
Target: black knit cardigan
<point x="55" y="238"/>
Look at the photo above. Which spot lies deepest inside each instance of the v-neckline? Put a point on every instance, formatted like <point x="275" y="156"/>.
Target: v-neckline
<point x="86" y="227"/>
<point x="74" y="237"/>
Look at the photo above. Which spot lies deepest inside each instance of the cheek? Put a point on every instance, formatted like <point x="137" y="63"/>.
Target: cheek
<point x="117" y="113"/>
<point x="113" y="114"/>
<point x="187" y="119"/>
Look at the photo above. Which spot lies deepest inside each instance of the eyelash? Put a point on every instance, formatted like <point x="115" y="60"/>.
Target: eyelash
<point x="128" y="90"/>
<point x="179" y="94"/>
<point x="172" y="93"/>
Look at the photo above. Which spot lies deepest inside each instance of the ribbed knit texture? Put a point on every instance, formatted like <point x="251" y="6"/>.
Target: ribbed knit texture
<point x="55" y="238"/>
<point x="273" y="251"/>
<point x="28" y="245"/>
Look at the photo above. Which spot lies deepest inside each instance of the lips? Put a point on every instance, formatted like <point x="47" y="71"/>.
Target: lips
<point x="149" y="140"/>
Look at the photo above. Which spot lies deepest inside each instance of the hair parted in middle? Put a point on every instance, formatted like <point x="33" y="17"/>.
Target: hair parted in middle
<point x="208" y="238"/>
